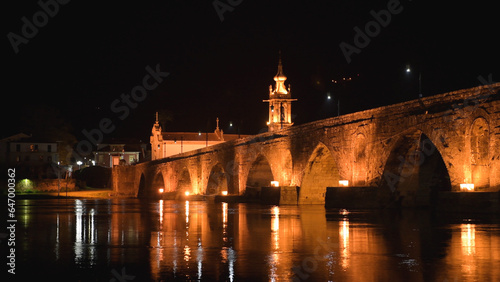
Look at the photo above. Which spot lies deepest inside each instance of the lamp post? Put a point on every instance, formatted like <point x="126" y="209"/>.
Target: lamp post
<point x="408" y="70"/>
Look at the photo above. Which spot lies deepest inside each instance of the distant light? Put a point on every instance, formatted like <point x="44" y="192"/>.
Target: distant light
<point x="329" y="97"/>
<point x="344" y="183"/>
<point x="275" y="183"/>
<point x="224" y="193"/>
<point x="186" y="193"/>
<point x="467" y="187"/>
<point x="79" y="163"/>
<point x="408" y="70"/>
<point x="93" y="163"/>
<point x="199" y="133"/>
<point x="161" y="190"/>
<point x="230" y="124"/>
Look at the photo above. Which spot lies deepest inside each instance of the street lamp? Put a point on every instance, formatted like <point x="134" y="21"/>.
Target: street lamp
<point x="408" y="70"/>
<point x="79" y="163"/>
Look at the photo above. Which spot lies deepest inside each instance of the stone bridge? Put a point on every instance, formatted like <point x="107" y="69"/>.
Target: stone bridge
<point x="412" y="149"/>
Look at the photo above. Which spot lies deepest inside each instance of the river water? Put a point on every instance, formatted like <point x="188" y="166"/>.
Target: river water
<point x="137" y="240"/>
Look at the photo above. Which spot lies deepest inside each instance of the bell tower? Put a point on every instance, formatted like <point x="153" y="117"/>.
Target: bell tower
<point x="280" y="102"/>
<point x="156" y="140"/>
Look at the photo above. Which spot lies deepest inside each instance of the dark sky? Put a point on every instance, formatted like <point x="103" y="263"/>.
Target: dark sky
<point x="89" y="53"/>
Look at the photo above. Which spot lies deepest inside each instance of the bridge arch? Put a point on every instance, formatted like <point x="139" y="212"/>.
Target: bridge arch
<point x="479" y="140"/>
<point x="321" y="171"/>
<point x="184" y="183"/>
<point x="158" y="182"/>
<point x="360" y="166"/>
<point x="260" y="173"/>
<point x="142" y="191"/>
<point x="217" y="181"/>
<point x="414" y="172"/>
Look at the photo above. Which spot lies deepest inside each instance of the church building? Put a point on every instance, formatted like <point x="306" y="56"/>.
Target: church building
<point x="165" y="144"/>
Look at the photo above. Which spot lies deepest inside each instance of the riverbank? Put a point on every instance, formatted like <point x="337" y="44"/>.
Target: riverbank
<point x="87" y="193"/>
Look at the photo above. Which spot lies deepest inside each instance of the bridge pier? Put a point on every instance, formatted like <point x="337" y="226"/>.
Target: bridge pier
<point x="282" y="195"/>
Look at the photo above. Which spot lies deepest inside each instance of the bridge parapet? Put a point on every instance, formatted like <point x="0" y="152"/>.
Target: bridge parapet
<point x="409" y="149"/>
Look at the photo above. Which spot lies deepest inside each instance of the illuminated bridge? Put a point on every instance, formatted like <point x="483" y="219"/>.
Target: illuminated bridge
<point x="406" y="153"/>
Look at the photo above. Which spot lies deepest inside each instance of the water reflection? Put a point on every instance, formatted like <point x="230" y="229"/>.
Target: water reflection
<point x="468" y="239"/>
<point x="344" y="238"/>
<point x="475" y="250"/>
<point x="191" y="240"/>
<point x="86" y="233"/>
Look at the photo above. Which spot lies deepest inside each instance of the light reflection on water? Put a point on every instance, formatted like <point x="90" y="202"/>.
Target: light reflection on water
<point x="191" y="240"/>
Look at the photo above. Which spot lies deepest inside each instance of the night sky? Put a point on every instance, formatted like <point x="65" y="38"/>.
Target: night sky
<point x="90" y="53"/>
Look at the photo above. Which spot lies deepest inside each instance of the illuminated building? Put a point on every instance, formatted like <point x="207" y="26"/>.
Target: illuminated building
<point x="124" y="152"/>
<point x="280" y="102"/>
<point x="165" y="144"/>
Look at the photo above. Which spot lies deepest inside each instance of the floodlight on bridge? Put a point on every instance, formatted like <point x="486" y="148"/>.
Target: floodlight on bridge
<point x="161" y="190"/>
<point x="186" y="193"/>
<point x="467" y="187"/>
<point x="275" y="183"/>
<point x="224" y="193"/>
<point x="344" y="183"/>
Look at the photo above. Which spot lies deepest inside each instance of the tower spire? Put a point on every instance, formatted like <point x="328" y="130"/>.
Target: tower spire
<point x="280" y="66"/>
<point x="280" y="78"/>
<point x="280" y="105"/>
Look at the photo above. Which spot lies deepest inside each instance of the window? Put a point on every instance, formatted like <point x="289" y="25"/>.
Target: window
<point x="49" y="148"/>
<point x="18" y="147"/>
